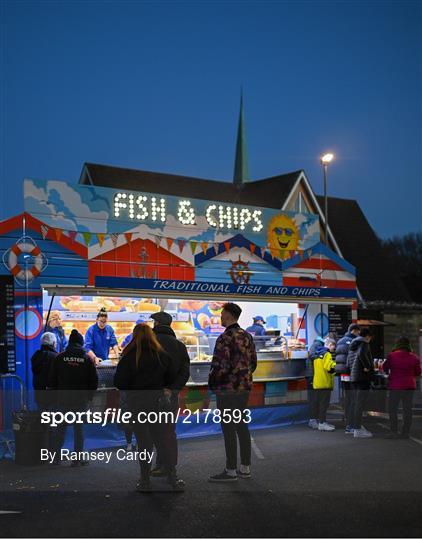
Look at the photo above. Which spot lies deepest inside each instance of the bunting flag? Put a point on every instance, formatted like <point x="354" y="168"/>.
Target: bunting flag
<point x="227" y="246"/>
<point x="72" y="235"/>
<point x="252" y="248"/>
<point x="263" y="250"/>
<point x="216" y="248"/>
<point x="114" y="238"/>
<point x="58" y="234"/>
<point x="87" y="238"/>
<point x="170" y="242"/>
<point x="128" y="236"/>
<point x="158" y="239"/>
<point x="44" y="231"/>
<point x="193" y="245"/>
<point x="181" y="244"/>
<point x="309" y="253"/>
<point x="204" y="246"/>
<point x="101" y="237"/>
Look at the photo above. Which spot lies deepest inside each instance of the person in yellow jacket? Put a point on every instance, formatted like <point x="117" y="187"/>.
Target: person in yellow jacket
<point x="323" y="382"/>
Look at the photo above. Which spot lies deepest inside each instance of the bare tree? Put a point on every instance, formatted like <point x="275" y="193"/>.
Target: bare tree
<point x="406" y="253"/>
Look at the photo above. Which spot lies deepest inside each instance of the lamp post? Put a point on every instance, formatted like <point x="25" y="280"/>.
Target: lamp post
<point x="325" y="160"/>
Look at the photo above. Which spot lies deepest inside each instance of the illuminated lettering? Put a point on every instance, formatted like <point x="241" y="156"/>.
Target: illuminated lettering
<point x="186" y="213"/>
<point x="158" y="210"/>
<point x="225" y="216"/>
<point x="209" y="215"/>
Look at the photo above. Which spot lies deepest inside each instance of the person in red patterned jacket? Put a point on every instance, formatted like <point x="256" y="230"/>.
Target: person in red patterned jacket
<point x="230" y="377"/>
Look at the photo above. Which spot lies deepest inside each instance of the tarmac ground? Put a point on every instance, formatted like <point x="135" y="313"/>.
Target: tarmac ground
<point x="305" y="484"/>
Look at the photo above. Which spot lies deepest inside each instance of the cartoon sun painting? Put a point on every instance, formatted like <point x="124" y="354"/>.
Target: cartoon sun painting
<point x="282" y="236"/>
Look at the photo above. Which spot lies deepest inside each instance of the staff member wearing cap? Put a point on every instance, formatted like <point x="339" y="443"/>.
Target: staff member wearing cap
<point x="257" y="329"/>
<point x="99" y="338"/>
<point x="128" y="338"/>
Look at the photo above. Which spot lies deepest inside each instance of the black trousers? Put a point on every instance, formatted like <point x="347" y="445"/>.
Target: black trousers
<point x="58" y="434"/>
<point x="348" y="402"/>
<point x="395" y="397"/>
<point x="170" y="438"/>
<point x="233" y="430"/>
<point x="147" y="435"/>
<point x="360" y="399"/>
<point x="322" y="399"/>
<point x="312" y="398"/>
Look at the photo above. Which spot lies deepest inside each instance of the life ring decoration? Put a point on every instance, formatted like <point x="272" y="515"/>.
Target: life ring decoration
<point x="12" y="259"/>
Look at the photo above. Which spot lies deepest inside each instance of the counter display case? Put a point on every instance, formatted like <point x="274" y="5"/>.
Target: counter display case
<point x="278" y="357"/>
<point x="275" y="361"/>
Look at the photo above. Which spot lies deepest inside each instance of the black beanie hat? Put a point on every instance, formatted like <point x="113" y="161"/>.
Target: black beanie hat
<point x="76" y="338"/>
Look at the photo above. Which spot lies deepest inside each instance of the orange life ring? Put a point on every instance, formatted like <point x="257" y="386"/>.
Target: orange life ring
<point x="14" y="266"/>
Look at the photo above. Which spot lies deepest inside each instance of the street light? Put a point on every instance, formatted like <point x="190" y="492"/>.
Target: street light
<point x="325" y="160"/>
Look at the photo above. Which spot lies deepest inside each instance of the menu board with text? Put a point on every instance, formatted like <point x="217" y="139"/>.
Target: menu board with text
<point x="339" y="319"/>
<point x="7" y="326"/>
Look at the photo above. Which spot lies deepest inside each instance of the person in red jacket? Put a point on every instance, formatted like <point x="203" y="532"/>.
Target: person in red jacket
<point x="403" y="367"/>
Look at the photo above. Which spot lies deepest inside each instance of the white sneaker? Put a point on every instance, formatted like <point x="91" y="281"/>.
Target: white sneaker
<point x="363" y="428"/>
<point x="362" y="434"/>
<point x="313" y="424"/>
<point x="326" y="427"/>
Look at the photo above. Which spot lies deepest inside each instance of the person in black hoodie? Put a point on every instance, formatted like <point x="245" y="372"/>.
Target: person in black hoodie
<point x="180" y="359"/>
<point x="75" y="378"/>
<point x="41" y="362"/>
<point x="360" y="363"/>
<point x="342" y="350"/>
<point x="145" y="371"/>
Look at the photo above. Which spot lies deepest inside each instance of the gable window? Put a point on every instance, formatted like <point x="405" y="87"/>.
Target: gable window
<point x="300" y="204"/>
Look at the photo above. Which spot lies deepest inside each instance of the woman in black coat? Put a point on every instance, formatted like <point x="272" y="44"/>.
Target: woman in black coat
<point x="41" y="363"/>
<point x="144" y="372"/>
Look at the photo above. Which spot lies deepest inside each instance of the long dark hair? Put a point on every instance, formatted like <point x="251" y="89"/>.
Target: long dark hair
<point x="143" y="339"/>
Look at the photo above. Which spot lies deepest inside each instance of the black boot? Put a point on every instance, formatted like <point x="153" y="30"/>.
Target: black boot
<point x="144" y="483"/>
<point x="176" y="483"/>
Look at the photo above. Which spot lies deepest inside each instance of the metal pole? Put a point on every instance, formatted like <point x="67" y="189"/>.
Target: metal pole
<point x="325" y="167"/>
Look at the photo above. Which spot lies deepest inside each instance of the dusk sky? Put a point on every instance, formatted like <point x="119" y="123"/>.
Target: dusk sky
<point x="156" y="86"/>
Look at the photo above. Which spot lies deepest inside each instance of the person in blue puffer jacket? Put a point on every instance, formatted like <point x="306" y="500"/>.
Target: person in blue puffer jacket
<point x="342" y="350"/>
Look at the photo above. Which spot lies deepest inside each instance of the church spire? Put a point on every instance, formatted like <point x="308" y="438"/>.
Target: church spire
<point x="241" y="172"/>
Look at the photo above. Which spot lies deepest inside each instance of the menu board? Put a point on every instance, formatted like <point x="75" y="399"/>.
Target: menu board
<point x="7" y="325"/>
<point x="339" y="319"/>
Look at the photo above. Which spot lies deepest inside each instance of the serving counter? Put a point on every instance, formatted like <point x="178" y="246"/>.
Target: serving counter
<point x="273" y="365"/>
<point x="277" y="380"/>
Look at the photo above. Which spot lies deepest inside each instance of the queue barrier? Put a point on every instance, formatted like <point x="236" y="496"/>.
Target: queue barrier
<point x="12" y="398"/>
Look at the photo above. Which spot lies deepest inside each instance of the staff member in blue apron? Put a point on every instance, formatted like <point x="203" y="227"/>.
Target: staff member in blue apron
<point x="257" y="328"/>
<point x="100" y="338"/>
<point x="54" y="325"/>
